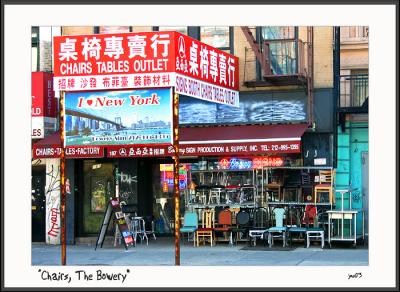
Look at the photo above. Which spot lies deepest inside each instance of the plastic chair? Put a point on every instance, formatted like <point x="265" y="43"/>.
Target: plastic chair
<point x="278" y="231"/>
<point x="190" y="225"/>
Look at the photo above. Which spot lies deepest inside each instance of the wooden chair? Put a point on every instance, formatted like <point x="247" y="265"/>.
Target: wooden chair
<point x="326" y="183"/>
<point x="274" y="186"/>
<point x="207" y="227"/>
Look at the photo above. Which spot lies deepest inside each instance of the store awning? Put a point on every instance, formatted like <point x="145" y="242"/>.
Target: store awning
<point x="50" y="147"/>
<point x="195" y="141"/>
<point x="241" y="140"/>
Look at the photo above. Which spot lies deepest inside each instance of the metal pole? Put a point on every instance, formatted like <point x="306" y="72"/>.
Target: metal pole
<point x="62" y="183"/>
<point x="176" y="174"/>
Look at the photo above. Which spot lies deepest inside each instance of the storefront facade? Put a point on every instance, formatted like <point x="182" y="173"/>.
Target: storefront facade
<point x="217" y="141"/>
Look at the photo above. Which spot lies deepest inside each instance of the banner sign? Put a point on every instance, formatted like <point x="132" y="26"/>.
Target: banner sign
<point x="206" y="91"/>
<point x="54" y="151"/>
<point x="143" y="60"/>
<point x="44" y="106"/>
<point x="140" y="151"/>
<point x="133" y="117"/>
<point x="239" y="148"/>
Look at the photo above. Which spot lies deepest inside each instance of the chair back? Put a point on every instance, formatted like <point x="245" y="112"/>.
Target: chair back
<point x="305" y="178"/>
<point x="326" y="177"/>
<point x="190" y="219"/>
<point x="225" y="217"/>
<point x="208" y="219"/>
<point x="242" y="218"/>
<point x="310" y="213"/>
<point x="260" y="217"/>
<point x="279" y="214"/>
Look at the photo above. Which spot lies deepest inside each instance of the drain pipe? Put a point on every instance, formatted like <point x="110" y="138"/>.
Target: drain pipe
<point x="336" y="89"/>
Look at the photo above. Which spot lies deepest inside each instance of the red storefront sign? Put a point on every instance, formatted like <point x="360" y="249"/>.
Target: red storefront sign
<point x="255" y="148"/>
<point x="84" y="151"/>
<point x="54" y="151"/>
<point x="44" y="104"/>
<point x="40" y="151"/>
<point x="140" y="151"/>
<point x="144" y="60"/>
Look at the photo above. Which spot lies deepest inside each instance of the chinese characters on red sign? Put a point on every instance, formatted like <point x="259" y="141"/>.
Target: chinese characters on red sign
<point x="144" y="60"/>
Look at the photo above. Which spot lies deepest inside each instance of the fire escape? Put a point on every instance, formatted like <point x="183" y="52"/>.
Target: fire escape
<point x="298" y="69"/>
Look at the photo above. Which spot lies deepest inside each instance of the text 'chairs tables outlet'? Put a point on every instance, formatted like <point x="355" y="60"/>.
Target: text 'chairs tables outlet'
<point x="190" y="225"/>
<point x="206" y="231"/>
<point x="225" y="223"/>
<point x="278" y="231"/>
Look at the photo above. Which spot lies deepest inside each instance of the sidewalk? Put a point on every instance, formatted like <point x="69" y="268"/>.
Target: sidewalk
<point x="161" y="252"/>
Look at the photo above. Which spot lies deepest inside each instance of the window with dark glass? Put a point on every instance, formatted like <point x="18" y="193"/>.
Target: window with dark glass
<point x="35" y="48"/>
<point x="216" y="36"/>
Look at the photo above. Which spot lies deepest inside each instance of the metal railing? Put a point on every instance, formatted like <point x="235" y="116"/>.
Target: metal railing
<point x="353" y="90"/>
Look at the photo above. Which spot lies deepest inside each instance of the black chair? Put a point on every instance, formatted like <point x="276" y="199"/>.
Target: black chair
<point x="242" y="224"/>
<point x="259" y="225"/>
<point x="149" y="225"/>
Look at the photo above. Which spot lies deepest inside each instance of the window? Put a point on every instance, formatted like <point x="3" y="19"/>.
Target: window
<point x="359" y="87"/>
<point x="216" y="36"/>
<point x="282" y="48"/>
<point x="353" y="33"/>
<point x="277" y="32"/>
<point x="181" y="29"/>
<point x="35" y="49"/>
<point x="113" y="29"/>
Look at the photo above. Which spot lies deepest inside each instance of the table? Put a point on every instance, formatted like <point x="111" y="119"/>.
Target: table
<point x="341" y="216"/>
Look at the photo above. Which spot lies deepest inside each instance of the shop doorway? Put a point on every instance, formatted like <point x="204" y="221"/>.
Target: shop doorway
<point x="98" y="188"/>
<point x="365" y="190"/>
<point x="38" y="197"/>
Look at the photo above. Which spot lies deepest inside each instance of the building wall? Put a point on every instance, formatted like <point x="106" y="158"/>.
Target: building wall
<point x="353" y="141"/>
<point x="351" y="144"/>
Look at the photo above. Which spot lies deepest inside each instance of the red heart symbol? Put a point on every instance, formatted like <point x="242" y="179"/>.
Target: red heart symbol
<point x="89" y="102"/>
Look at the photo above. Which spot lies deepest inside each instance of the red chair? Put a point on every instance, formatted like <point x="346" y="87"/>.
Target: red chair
<point x="310" y="213"/>
<point x="225" y="223"/>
